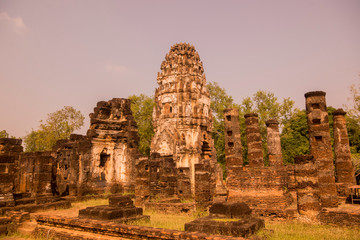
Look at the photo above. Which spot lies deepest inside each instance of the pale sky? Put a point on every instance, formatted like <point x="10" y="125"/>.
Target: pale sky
<point x="56" y="53"/>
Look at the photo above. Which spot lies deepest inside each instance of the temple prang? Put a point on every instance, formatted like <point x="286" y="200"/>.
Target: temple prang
<point x="182" y="120"/>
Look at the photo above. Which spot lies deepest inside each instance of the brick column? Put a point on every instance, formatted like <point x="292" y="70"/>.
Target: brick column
<point x="307" y="188"/>
<point x="273" y="143"/>
<point x="142" y="183"/>
<point x="204" y="187"/>
<point x="233" y="148"/>
<point x="343" y="164"/>
<point x="254" y="143"/>
<point x="320" y="146"/>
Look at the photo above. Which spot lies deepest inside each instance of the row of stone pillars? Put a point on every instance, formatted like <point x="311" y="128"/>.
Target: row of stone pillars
<point x="320" y="146"/>
<point x="233" y="147"/>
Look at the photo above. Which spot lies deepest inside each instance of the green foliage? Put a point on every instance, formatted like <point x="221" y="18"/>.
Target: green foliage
<point x="4" y="134"/>
<point x="220" y="101"/>
<point x="142" y="108"/>
<point x="264" y="103"/>
<point x="59" y="125"/>
<point x="353" y="119"/>
<point x="267" y="106"/>
<point x="356" y="161"/>
<point x="353" y="128"/>
<point x="295" y="137"/>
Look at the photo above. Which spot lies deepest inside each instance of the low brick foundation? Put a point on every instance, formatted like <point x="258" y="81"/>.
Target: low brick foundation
<point x="269" y="191"/>
<point x="348" y="215"/>
<point x="59" y="230"/>
<point x="36" y="207"/>
<point x="225" y="218"/>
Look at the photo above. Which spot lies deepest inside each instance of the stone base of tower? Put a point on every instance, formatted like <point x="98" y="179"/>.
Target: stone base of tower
<point x="269" y="191"/>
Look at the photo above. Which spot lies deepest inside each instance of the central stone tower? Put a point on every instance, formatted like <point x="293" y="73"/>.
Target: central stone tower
<point x="182" y="116"/>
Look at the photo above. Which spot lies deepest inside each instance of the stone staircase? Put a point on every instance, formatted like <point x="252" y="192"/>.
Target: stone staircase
<point x="27" y="228"/>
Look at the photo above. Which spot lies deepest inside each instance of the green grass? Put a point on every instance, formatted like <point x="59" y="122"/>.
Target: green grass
<point x="168" y="221"/>
<point x="279" y="230"/>
<point x="300" y="231"/>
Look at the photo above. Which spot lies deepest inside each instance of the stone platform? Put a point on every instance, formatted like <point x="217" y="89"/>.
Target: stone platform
<point x="345" y="214"/>
<point x="233" y="219"/>
<point x="65" y="228"/>
<point x="120" y="209"/>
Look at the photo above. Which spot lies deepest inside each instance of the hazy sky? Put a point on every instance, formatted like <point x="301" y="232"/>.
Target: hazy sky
<point x="77" y="52"/>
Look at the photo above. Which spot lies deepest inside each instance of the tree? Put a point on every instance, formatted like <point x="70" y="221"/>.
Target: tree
<point x="142" y="108"/>
<point x="4" y="134"/>
<point x="353" y="127"/>
<point x="267" y="106"/>
<point x="220" y="101"/>
<point x="59" y="125"/>
<point x="353" y="118"/>
<point x="295" y="136"/>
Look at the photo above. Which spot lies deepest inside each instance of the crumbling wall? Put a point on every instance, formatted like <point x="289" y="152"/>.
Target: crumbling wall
<point x="10" y="150"/>
<point x="204" y="186"/>
<point x="114" y="146"/>
<point x="260" y="187"/>
<point x="36" y="171"/>
<point x="72" y="160"/>
<point x="268" y="190"/>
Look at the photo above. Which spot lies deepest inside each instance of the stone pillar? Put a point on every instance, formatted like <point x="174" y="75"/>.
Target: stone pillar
<point x="320" y="146"/>
<point x="254" y="143"/>
<point x="273" y="143"/>
<point x="204" y="186"/>
<point x="343" y="164"/>
<point x="142" y="184"/>
<point x="307" y="188"/>
<point x="233" y="148"/>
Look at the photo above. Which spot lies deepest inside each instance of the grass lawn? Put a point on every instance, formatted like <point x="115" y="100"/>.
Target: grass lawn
<point x="291" y="230"/>
<point x="300" y="231"/>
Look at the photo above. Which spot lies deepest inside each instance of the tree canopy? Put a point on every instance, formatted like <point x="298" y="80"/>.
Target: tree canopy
<point x="353" y="118"/>
<point x="142" y="108"/>
<point x="58" y="125"/>
<point x="4" y="134"/>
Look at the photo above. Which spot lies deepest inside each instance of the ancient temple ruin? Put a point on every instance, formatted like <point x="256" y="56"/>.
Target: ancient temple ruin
<point x="102" y="161"/>
<point x="182" y="116"/>
<point x="303" y="188"/>
<point x="182" y="164"/>
<point x="114" y="146"/>
<point x="269" y="190"/>
<point x="182" y="121"/>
